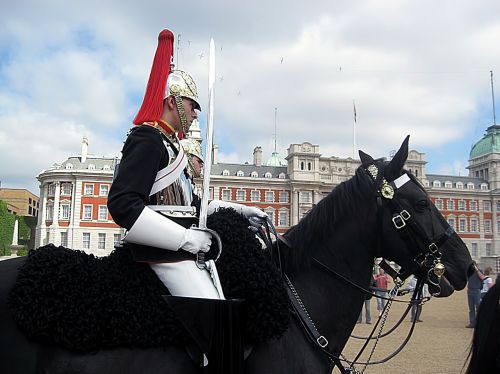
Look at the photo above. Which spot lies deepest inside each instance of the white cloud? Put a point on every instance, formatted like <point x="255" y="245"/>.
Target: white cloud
<point x="419" y="68"/>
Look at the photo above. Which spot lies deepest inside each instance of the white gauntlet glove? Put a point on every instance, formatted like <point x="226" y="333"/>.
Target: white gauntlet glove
<point x="195" y="241"/>
<point x="246" y="211"/>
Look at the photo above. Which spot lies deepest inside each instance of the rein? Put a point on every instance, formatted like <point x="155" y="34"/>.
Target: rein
<point x="428" y="260"/>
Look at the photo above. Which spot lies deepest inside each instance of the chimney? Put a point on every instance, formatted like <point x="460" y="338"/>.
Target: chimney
<point x="215" y="154"/>
<point x="257" y="156"/>
<point x="85" y="147"/>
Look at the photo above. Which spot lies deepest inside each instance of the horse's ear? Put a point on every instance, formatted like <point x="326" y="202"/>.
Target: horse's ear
<point x="365" y="158"/>
<point x="393" y="170"/>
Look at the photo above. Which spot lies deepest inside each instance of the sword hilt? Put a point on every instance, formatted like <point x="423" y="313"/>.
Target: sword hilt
<point x="200" y="256"/>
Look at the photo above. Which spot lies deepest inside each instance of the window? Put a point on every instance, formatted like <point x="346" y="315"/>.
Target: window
<point x="498" y="206"/>
<point x="87" y="212"/>
<point x="101" y="241"/>
<point x="488" y="249"/>
<point x="473" y="225"/>
<point x="302" y="165"/>
<point x="65" y="211"/>
<point x="461" y="205"/>
<point x="86" y="240"/>
<point x="269" y="196"/>
<point x="484" y="186"/>
<point x="436" y="184"/>
<point x="64" y="239"/>
<point x="103" y="213"/>
<point x="305" y="197"/>
<point x="50" y="212"/>
<point x="51" y="189"/>
<point x="448" y="184"/>
<point x="116" y="239"/>
<point x="103" y="190"/>
<point x="240" y="195"/>
<point x="474" y="250"/>
<point x="462" y="224"/>
<point x="470" y="186"/>
<point x="439" y="204"/>
<point x="225" y="172"/>
<point x="487" y="205"/>
<point x="106" y="167"/>
<point x="268" y="175"/>
<point x="309" y="166"/>
<point x="451" y="222"/>
<point x="487" y="226"/>
<point x="283" y="218"/>
<point x="283" y="197"/>
<point x="91" y="167"/>
<point x="69" y="166"/>
<point x="240" y="173"/>
<point x="282" y="176"/>
<point x="30" y="211"/>
<point x="255" y="196"/>
<point x="498" y="226"/>
<point x="66" y="189"/>
<point x="460" y="185"/>
<point x="254" y="174"/>
<point x="472" y="205"/>
<point x="226" y="195"/>
<point x="89" y="189"/>
<point x="450" y="205"/>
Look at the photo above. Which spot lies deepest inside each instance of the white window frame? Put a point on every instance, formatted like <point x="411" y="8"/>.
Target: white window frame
<point x="269" y="197"/>
<point x="62" y="208"/>
<point x="474" y="227"/>
<point x="88" y="189"/>
<point x="86" y="240"/>
<point x="240" y="195"/>
<point x="283" y="196"/>
<point x="487" y="226"/>
<point x="473" y="249"/>
<point x="268" y="175"/>
<point x="101" y="241"/>
<point x="254" y="174"/>
<point x="226" y="195"/>
<point x="255" y="195"/>
<point x="102" y="213"/>
<point x="50" y="212"/>
<point x="305" y="197"/>
<point x="452" y="222"/>
<point x="51" y="189"/>
<point x="462" y="224"/>
<point x="283" y="222"/>
<point x="461" y="205"/>
<point x="225" y="172"/>
<point x="64" y="238"/>
<point x="66" y="189"/>
<point x="240" y="173"/>
<point x="103" y="189"/>
<point x="487" y="205"/>
<point x="472" y="205"/>
<point x="439" y="204"/>
<point x="436" y="184"/>
<point x="85" y="209"/>
<point x="450" y="204"/>
<point x="117" y="238"/>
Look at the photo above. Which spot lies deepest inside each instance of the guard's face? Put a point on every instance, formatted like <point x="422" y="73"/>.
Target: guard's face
<point x="190" y="109"/>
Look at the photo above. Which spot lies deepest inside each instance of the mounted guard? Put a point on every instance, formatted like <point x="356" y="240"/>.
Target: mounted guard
<point x="154" y="198"/>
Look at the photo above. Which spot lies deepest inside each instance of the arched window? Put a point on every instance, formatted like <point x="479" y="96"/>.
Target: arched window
<point x="268" y="175"/>
<point x="282" y="176"/>
<point x="436" y="184"/>
<point x="69" y="166"/>
<point x="225" y="172"/>
<point x="254" y="174"/>
<point x="240" y="173"/>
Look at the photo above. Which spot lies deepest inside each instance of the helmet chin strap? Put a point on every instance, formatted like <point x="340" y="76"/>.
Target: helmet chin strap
<point x="181" y="112"/>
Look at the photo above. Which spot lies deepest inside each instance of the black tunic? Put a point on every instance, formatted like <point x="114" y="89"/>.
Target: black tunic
<point x="143" y="155"/>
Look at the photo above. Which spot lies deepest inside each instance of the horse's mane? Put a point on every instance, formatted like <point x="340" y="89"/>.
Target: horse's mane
<point x="485" y="349"/>
<point x="312" y="230"/>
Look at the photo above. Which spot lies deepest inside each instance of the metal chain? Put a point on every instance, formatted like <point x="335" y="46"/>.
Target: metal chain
<point x="297" y="297"/>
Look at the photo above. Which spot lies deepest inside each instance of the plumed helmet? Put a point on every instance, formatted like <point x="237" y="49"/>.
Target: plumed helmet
<point x="192" y="147"/>
<point x="181" y="83"/>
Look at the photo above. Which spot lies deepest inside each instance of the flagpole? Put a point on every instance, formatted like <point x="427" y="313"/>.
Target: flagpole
<point x="354" y="131"/>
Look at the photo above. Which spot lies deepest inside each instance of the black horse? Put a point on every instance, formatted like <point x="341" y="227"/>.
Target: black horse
<point x="345" y="231"/>
<point x="485" y="350"/>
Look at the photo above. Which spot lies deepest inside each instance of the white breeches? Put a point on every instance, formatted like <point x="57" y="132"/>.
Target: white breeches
<point x="184" y="278"/>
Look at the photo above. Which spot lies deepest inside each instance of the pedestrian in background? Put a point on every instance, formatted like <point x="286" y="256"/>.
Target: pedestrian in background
<point x="381" y="281"/>
<point x="474" y="286"/>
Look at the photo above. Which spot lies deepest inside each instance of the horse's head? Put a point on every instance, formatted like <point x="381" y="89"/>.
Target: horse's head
<point x="414" y="234"/>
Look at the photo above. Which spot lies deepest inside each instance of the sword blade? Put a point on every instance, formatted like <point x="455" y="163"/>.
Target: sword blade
<point x="207" y="167"/>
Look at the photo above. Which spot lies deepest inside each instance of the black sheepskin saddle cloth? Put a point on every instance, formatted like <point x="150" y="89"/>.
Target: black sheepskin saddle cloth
<point x="85" y="303"/>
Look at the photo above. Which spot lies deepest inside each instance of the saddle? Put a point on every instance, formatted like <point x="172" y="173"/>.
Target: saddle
<point x="84" y="303"/>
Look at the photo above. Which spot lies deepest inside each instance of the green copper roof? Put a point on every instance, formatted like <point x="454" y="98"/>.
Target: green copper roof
<point x="276" y="160"/>
<point x="490" y="143"/>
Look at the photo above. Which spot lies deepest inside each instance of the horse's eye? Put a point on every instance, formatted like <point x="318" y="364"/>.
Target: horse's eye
<point x="421" y="205"/>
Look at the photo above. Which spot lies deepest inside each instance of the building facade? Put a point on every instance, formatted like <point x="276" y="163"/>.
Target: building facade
<point x="73" y="196"/>
<point x="73" y="205"/>
<point x="20" y="202"/>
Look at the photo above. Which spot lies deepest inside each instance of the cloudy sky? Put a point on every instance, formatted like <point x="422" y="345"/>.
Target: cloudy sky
<point x="411" y="67"/>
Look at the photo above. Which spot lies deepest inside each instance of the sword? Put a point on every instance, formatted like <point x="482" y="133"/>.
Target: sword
<point x="202" y="225"/>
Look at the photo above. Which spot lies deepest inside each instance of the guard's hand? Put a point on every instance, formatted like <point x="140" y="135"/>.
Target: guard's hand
<point x="251" y="211"/>
<point x="195" y="241"/>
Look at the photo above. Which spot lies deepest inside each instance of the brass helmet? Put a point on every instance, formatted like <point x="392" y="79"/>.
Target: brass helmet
<point x="192" y="147"/>
<point x="181" y="83"/>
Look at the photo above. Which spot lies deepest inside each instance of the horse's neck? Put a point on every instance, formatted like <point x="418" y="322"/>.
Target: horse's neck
<point x="333" y="303"/>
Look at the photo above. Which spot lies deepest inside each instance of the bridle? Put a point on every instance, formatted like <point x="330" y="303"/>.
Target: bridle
<point x="427" y="261"/>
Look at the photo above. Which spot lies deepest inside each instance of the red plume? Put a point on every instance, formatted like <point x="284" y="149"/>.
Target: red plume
<point x="152" y="105"/>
